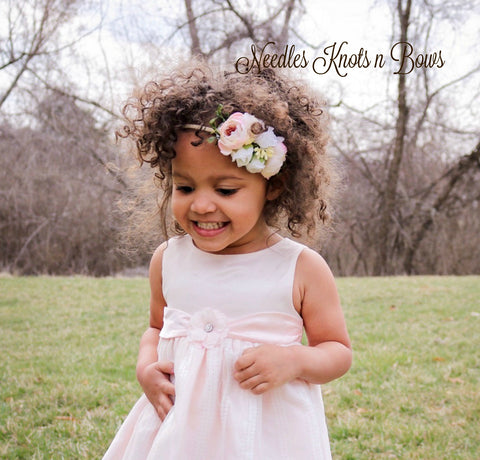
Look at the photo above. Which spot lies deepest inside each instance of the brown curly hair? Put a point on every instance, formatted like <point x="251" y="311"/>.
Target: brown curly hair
<point x="192" y="96"/>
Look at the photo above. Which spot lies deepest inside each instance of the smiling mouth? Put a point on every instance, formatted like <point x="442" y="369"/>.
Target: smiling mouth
<point x="210" y="225"/>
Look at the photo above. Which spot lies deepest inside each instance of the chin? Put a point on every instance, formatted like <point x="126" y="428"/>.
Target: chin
<point x="213" y="248"/>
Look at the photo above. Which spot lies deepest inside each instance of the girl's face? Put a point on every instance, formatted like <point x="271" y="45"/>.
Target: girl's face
<point x="217" y="203"/>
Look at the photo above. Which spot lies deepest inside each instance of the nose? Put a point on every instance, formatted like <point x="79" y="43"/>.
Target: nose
<point x="202" y="203"/>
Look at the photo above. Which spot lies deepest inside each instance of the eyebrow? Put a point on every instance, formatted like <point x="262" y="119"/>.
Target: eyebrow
<point x="216" y="178"/>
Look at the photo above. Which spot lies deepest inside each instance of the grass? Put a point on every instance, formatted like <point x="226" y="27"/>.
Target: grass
<point x="68" y="347"/>
<point x="413" y="391"/>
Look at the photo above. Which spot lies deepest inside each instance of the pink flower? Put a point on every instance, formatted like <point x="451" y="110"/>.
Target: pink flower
<point x="236" y="132"/>
<point x="207" y="328"/>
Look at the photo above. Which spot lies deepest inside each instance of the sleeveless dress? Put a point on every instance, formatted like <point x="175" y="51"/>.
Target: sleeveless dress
<point x="217" y="306"/>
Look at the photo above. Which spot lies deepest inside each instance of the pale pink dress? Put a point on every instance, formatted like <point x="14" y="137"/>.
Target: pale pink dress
<point x="218" y="305"/>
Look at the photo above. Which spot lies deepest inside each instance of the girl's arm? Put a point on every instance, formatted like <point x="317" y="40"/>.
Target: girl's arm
<point x="329" y="353"/>
<point x="153" y="375"/>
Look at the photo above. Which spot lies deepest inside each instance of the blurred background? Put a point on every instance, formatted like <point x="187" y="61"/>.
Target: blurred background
<point x="407" y="138"/>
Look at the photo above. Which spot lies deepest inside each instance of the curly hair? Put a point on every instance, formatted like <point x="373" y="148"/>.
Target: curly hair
<point x="192" y="95"/>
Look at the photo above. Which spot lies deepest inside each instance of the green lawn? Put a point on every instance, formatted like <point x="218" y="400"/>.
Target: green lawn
<point x="68" y="352"/>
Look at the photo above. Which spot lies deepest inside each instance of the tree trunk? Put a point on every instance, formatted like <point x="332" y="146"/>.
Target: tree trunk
<point x="195" y="49"/>
<point x="464" y="164"/>
<point x="381" y="266"/>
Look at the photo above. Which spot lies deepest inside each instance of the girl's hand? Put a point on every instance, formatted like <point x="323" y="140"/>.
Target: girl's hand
<point x="155" y="381"/>
<point x="262" y="368"/>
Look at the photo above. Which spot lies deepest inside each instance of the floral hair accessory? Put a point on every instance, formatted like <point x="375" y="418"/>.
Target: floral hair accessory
<point x="246" y="139"/>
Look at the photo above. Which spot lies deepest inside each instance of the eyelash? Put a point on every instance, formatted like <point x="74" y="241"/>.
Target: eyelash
<point x="223" y="191"/>
<point x="227" y="191"/>
<point x="184" y="189"/>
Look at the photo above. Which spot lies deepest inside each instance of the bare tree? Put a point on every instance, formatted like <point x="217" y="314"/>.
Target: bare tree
<point x="412" y="167"/>
<point x="391" y="184"/>
<point x="466" y="167"/>
<point x="216" y="29"/>
<point x="30" y="33"/>
<point x="57" y="209"/>
<point x="410" y="160"/>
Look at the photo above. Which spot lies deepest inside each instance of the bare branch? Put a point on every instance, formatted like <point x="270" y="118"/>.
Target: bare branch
<point x="306" y="42"/>
<point x="195" y="42"/>
<point x="288" y="17"/>
<point x="74" y="96"/>
<point x="454" y="174"/>
<point x="187" y="23"/>
<point x="28" y="240"/>
<point x="365" y="172"/>
<point x="228" y="41"/>
<point x="244" y="20"/>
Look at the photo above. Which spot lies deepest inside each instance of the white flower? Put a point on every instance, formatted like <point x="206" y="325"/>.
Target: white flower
<point x="276" y="147"/>
<point x="242" y="156"/>
<point x="268" y="138"/>
<point x="256" y="165"/>
<point x="275" y="162"/>
<point x="207" y="328"/>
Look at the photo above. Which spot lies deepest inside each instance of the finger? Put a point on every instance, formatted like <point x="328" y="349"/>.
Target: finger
<point x="163" y="407"/>
<point x="168" y="388"/>
<point x="165" y="367"/>
<point x="162" y="412"/>
<point x="252" y="382"/>
<point x="165" y="386"/>
<point x="161" y="400"/>
<point x="159" y="408"/>
<point x="245" y="374"/>
<point x="167" y="403"/>
<point x="245" y="361"/>
<point x="260" y="389"/>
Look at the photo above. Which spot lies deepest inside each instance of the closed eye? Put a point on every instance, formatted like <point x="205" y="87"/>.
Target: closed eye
<point x="227" y="191"/>
<point x="184" y="188"/>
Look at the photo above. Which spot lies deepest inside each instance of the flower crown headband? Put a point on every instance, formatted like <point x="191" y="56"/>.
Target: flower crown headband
<point x="246" y="139"/>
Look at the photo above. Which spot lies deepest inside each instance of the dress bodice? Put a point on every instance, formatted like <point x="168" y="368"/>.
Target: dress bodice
<point x="235" y="284"/>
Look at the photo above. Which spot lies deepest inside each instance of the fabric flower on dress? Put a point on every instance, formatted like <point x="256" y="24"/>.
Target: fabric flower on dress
<point x="207" y="328"/>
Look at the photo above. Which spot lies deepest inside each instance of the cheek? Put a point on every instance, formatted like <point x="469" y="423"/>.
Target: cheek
<point x="253" y="205"/>
<point x="177" y="205"/>
<point x="260" y="197"/>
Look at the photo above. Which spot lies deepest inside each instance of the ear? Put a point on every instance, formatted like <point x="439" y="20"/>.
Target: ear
<point x="275" y="187"/>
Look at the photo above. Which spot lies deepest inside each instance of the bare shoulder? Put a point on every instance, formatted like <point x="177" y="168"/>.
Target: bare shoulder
<point x="155" y="271"/>
<point x="312" y="268"/>
<point x="157" y="259"/>
<point x="320" y="303"/>
<point x="309" y="259"/>
<point x="157" y="300"/>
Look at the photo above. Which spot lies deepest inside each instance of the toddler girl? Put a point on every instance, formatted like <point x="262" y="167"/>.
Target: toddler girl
<point x="222" y="366"/>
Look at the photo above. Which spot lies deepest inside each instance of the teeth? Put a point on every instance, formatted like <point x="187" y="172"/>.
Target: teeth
<point x="210" y="225"/>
